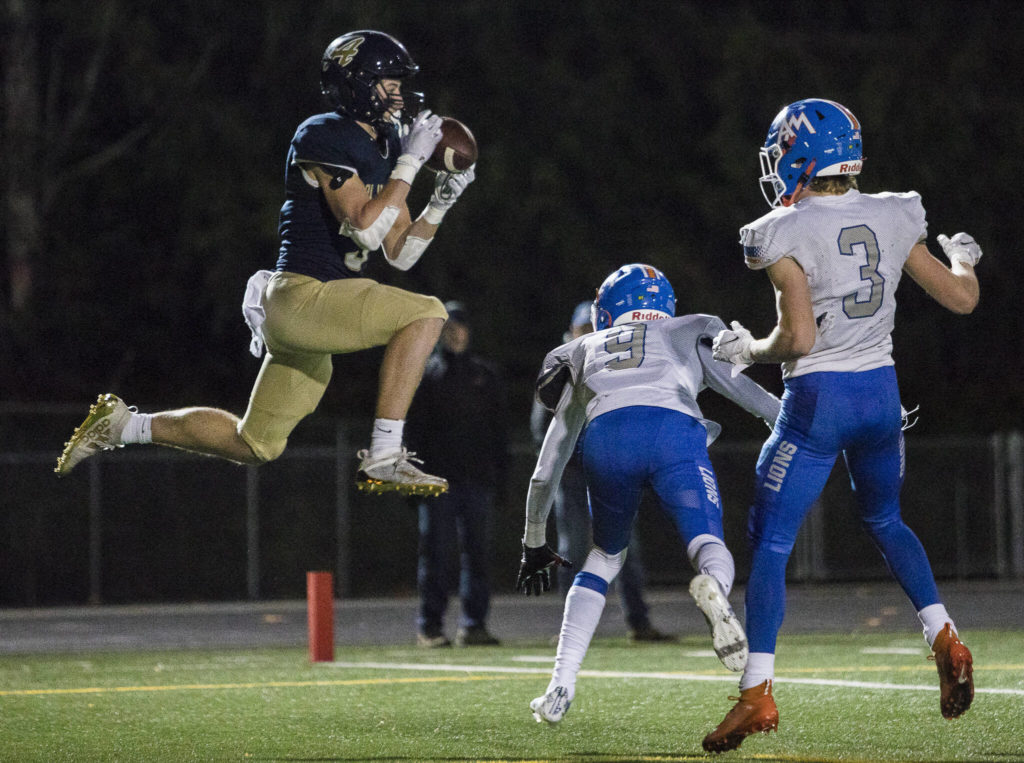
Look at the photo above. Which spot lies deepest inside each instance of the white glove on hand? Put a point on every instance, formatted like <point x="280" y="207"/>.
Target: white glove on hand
<point x="417" y="145"/>
<point x="733" y="346"/>
<point x="961" y="248"/>
<point x="448" y="187"/>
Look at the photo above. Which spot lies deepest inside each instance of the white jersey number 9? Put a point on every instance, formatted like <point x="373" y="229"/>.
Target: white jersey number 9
<point x="629" y="340"/>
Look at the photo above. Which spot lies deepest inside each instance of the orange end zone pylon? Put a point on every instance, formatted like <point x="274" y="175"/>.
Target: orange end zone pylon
<point x="320" y="610"/>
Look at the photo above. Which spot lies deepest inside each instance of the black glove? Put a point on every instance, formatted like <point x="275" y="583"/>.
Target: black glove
<point x="534" y="569"/>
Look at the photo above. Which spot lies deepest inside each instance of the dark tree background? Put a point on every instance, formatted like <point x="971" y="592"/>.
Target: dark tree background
<point x="144" y="143"/>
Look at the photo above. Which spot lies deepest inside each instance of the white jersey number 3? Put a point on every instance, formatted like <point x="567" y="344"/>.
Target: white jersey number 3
<point x="861" y="241"/>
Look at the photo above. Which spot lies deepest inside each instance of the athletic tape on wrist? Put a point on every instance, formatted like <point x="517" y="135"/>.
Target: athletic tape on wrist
<point x="962" y="257"/>
<point x="406" y="168"/>
<point x="432" y="214"/>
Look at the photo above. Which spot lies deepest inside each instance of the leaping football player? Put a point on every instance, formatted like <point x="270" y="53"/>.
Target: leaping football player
<point x="347" y="178"/>
<point x="631" y="389"/>
<point x="835" y="257"/>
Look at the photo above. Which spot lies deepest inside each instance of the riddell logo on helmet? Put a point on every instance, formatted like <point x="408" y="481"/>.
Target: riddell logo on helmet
<point x="849" y="168"/>
<point x="646" y="315"/>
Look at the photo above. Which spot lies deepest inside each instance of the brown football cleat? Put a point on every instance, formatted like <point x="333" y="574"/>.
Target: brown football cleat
<point x="956" y="673"/>
<point x="754" y="711"/>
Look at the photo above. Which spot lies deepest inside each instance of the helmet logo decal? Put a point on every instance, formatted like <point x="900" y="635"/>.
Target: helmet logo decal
<point x="789" y="127"/>
<point x="347" y="52"/>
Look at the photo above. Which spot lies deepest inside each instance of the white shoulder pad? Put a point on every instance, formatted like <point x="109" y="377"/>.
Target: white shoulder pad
<point x="757" y="238"/>
<point x="371" y="237"/>
<point x="913" y="207"/>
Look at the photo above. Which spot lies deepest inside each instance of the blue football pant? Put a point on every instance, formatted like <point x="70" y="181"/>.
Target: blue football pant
<point x="629" y="448"/>
<point x="825" y="414"/>
<point x="572" y="521"/>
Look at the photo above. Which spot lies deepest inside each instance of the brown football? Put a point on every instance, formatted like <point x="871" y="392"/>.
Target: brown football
<point x="457" y="149"/>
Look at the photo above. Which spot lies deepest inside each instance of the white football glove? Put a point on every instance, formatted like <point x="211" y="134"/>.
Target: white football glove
<point x="417" y="145"/>
<point x="448" y="187"/>
<point x="733" y="346"/>
<point x="961" y="248"/>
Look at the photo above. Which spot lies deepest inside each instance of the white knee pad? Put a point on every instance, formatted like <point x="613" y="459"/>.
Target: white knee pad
<point x="605" y="566"/>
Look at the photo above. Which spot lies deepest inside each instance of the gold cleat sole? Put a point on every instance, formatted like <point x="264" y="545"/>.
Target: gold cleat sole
<point x="378" y="487"/>
<point x="102" y="407"/>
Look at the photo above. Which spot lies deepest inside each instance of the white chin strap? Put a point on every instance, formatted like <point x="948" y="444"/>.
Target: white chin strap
<point x="371" y="237"/>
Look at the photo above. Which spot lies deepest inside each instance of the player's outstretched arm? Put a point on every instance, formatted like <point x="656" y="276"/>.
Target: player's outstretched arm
<point x="744" y="392"/>
<point x="956" y="287"/>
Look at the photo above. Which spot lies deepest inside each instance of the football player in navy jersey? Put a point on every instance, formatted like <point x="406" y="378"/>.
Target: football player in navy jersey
<point x="835" y="257"/>
<point x="347" y="177"/>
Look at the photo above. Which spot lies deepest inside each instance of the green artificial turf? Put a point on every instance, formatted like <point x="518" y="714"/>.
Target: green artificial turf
<point x="633" y="702"/>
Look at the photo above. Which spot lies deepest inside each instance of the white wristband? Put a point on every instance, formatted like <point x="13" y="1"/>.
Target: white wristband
<point x="535" y="534"/>
<point x="432" y="214"/>
<point x="406" y="168"/>
<point x="962" y="257"/>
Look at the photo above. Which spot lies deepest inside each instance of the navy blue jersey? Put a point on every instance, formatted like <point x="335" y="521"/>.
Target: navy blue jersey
<point x="310" y="242"/>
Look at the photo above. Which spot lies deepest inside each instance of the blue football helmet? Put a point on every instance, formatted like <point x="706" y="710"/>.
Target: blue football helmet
<point x="635" y="292"/>
<point x="354" y="64"/>
<point x="808" y="139"/>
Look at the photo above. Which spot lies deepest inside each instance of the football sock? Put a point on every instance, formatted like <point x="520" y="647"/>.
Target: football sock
<point x="139" y="429"/>
<point x="583" y="608"/>
<point x="934" y="618"/>
<point x="386" y="437"/>
<point x="760" y="667"/>
<point x="709" y="556"/>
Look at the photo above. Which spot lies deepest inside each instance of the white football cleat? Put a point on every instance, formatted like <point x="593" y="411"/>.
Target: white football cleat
<point x="552" y="707"/>
<point x="727" y="635"/>
<point x="101" y="430"/>
<point x="396" y="471"/>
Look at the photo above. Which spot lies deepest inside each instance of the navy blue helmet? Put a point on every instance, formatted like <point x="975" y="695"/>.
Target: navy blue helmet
<point x="351" y="69"/>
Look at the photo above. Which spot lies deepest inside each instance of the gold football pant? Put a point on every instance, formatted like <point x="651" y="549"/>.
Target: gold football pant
<point x="308" y="321"/>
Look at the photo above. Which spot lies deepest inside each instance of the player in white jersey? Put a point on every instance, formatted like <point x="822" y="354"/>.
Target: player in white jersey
<point x="835" y="257"/>
<point x="631" y="389"/>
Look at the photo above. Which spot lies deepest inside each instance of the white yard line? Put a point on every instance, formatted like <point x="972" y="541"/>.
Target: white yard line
<point x="659" y="676"/>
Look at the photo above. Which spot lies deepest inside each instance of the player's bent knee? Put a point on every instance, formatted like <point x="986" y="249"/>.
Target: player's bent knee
<point x="425" y="307"/>
<point x="262" y="452"/>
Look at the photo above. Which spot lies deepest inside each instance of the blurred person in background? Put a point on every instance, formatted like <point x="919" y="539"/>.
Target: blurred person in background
<point x="572" y="517"/>
<point x="458" y="422"/>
